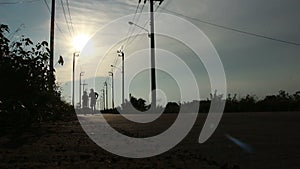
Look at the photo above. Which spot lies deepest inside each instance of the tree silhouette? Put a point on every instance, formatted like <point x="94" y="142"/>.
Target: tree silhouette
<point x="26" y="83"/>
<point x="139" y="104"/>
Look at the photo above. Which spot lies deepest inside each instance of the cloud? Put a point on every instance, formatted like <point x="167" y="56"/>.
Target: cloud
<point x="247" y="60"/>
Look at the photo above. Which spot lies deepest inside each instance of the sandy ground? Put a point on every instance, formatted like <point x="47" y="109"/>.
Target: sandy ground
<point x="272" y="142"/>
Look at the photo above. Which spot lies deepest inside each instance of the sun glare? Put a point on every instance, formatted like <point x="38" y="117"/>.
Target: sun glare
<point x="79" y="41"/>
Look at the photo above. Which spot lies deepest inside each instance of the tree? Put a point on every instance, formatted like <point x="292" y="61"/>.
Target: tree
<point x="26" y="84"/>
<point x="139" y="104"/>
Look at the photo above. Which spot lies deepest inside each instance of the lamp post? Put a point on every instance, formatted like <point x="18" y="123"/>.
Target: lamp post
<point x="80" y="84"/>
<point x="152" y="53"/>
<point x="103" y="98"/>
<point x="131" y="23"/>
<point x="122" y="71"/>
<point x="75" y="54"/>
<point x="112" y="89"/>
<point x="106" y="95"/>
<point x="83" y="84"/>
<point x="121" y="54"/>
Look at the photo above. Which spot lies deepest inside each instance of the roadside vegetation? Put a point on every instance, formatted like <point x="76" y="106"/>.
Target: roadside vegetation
<point x="29" y="95"/>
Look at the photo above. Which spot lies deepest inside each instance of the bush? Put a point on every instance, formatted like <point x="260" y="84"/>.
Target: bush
<point x="28" y="92"/>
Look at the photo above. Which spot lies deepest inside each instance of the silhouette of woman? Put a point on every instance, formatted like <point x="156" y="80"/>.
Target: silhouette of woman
<point x="85" y="99"/>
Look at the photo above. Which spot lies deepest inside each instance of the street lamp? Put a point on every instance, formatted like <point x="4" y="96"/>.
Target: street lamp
<point x="80" y="84"/>
<point x="121" y="54"/>
<point x="115" y="67"/>
<point x="131" y="23"/>
<point x="112" y="88"/>
<point x="152" y="53"/>
<point x="103" y="98"/>
<point x="78" y="43"/>
<point x="75" y="54"/>
<point x="106" y="95"/>
<point x="122" y="71"/>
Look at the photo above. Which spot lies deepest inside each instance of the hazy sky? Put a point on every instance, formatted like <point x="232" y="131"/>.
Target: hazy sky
<point x="252" y="65"/>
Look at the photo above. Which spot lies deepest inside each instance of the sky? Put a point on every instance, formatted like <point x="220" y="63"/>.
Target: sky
<point x="252" y="65"/>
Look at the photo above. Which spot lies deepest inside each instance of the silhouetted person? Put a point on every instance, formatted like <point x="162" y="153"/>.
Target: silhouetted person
<point x="85" y="99"/>
<point x="61" y="60"/>
<point x="93" y="95"/>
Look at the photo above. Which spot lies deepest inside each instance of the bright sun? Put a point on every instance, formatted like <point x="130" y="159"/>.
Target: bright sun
<point x="79" y="41"/>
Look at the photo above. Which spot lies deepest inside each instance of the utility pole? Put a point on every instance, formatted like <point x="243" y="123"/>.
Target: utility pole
<point x="52" y="46"/>
<point x="121" y="54"/>
<point x="106" y="94"/>
<point x="99" y="104"/>
<point x="152" y="50"/>
<point x="112" y="89"/>
<point x="83" y="84"/>
<point x="73" y="86"/>
<point x="152" y="42"/>
<point x="81" y="74"/>
<point x="73" y="70"/>
<point x="103" y="98"/>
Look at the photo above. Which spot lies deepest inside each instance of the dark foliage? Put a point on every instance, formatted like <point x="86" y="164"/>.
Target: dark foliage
<point x="172" y="107"/>
<point x="283" y="101"/>
<point x="138" y="104"/>
<point x="280" y="102"/>
<point x="28" y="93"/>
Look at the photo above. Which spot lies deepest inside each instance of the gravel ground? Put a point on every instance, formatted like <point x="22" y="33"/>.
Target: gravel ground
<point x="242" y="140"/>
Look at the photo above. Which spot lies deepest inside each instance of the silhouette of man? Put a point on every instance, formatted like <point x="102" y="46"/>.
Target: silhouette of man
<point x="61" y="60"/>
<point x="93" y="95"/>
<point x="85" y="99"/>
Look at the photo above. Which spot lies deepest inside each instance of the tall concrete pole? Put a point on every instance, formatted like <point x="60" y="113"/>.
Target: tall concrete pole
<point x="51" y="60"/>
<point x="152" y="51"/>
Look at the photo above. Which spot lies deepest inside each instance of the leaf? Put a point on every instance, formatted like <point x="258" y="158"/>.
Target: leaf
<point x="38" y="46"/>
<point x="4" y="28"/>
<point x="28" y="42"/>
<point x="18" y="44"/>
<point x="44" y="43"/>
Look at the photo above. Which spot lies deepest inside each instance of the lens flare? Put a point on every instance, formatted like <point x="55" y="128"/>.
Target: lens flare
<point x="79" y="41"/>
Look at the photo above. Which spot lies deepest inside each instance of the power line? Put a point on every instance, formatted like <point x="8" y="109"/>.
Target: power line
<point x="143" y="27"/>
<point x="140" y="13"/>
<point x="137" y="8"/>
<point x="232" y="29"/>
<point x="70" y="17"/>
<point x="47" y="6"/>
<point x="58" y="27"/>
<point x="64" y="12"/>
<point x="131" y="28"/>
<point x="135" y="35"/>
<point x="19" y="2"/>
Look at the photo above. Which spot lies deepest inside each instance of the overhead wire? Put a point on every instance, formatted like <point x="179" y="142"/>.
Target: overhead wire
<point x="132" y="35"/>
<point x="70" y="16"/>
<point x="130" y="31"/>
<point x="139" y="15"/>
<point x="231" y="29"/>
<point x="144" y="27"/>
<point x="19" y="2"/>
<point x="131" y="26"/>
<point x="65" y="16"/>
<point x="57" y="26"/>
